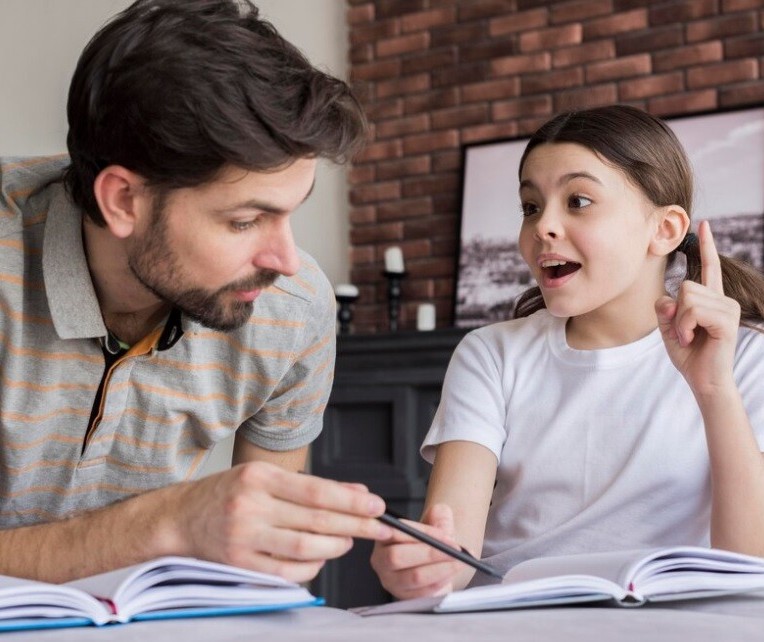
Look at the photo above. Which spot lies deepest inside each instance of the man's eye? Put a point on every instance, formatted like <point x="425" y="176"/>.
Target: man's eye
<point x="241" y="226"/>
<point x="528" y="209"/>
<point x="577" y="202"/>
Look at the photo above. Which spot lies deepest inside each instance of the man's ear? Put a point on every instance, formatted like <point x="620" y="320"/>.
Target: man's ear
<point x="672" y="224"/>
<point x="121" y="195"/>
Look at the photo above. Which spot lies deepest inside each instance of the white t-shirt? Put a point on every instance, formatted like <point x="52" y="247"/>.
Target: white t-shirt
<point x="596" y="449"/>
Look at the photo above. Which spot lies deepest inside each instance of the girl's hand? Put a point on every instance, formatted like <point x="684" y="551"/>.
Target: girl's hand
<point x="408" y="568"/>
<point x="700" y="327"/>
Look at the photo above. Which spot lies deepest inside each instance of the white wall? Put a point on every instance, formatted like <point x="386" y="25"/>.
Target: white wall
<point x="40" y="41"/>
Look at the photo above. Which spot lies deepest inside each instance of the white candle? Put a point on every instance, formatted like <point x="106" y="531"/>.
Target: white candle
<point x="345" y="289"/>
<point x="394" y="259"/>
<point x="425" y="316"/>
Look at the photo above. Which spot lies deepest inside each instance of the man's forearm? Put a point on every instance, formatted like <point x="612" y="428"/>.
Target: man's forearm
<point x="121" y="534"/>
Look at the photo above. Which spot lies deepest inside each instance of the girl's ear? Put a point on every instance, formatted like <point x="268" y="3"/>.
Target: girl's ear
<point x="672" y="224"/>
<point x="120" y="194"/>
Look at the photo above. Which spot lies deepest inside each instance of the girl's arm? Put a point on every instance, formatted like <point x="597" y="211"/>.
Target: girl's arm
<point x="458" y="496"/>
<point x="700" y="332"/>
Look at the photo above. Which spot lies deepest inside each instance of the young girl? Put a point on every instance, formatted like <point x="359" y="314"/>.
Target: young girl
<point x="608" y="414"/>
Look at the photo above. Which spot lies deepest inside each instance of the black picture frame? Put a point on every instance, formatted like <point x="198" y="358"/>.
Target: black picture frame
<point x="726" y="149"/>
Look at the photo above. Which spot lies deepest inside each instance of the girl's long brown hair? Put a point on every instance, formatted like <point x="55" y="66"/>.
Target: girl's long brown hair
<point x="651" y="156"/>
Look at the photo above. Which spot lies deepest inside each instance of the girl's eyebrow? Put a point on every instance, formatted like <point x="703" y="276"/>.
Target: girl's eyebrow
<point x="565" y="178"/>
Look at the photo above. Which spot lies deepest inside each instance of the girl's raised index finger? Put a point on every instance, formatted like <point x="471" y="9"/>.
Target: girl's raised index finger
<point x="711" y="269"/>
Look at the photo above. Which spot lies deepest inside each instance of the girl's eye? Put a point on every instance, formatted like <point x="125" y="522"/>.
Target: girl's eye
<point x="578" y="202"/>
<point x="528" y="209"/>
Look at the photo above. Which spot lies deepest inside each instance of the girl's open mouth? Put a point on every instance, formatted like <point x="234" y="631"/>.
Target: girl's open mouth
<point x="555" y="269"/>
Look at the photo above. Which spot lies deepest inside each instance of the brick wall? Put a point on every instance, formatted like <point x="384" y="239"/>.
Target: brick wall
<point x="436" y="74"/>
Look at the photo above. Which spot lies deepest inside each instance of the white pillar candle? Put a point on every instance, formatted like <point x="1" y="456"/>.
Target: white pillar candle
<point x="425" y="316"/>
<point x="345" y="289"/>
<point x="394" y="260"/>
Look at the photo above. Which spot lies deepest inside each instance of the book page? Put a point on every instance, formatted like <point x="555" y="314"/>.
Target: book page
<point x="26" y="598"/>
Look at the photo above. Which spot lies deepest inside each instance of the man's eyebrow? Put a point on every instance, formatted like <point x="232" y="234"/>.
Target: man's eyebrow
<point x="565" y="178"/>
<point x="263" y="206"/>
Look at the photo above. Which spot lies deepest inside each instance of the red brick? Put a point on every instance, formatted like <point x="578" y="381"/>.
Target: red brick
<point x="458" y="34"/>
<point x="405" y="208"/>
<point x="432" y="267"/>
<point x="649" y="40"/>
<point x="430" y="185"/>
<point x="364" y="194"/>
<point x="483" y="9"/>
<point x="456" y="117"/>
<point x="587" y="52"/>
<point x="384" y="109"/>
<point x="745" y="46"/>
<point x="730" y="6"/>
<point x="361" y="254"/>
<point x="360" y="14"/>
<point x="447" y="203"/>
<point x="417" y="290"/>
<point x="363" y="215"/>
<point x="381" y="150"/>
<point x="445" y="247"/>
<point x="403" y="167"/>
<point x="487" y="49"/>
<point x="460" y="74"/>
<point x="391" y="8"/>
<point x="399" y="127"/>
<point x="580" y="10"/>
<point x="513" y="65"/>
<point x="423" y="143"/>
<point x="551" y="80"/>
<point x="362" y="53"/>
<point x="362" y="34"/>
<point x="403" y="44"/>
<point x="433" y="59"/>
<point x="489" y="132"/>
<point x="518" y="22"/>
<point x="751" y="93"/>
<point x="444" y="288"/>
<point x="590" y="96"/>
<point x="625" y="67"/>
<point x="552" y="38"/>
<point x="684" y="103"/>
<point x="446" y="161"/>
<point x="379" y="69"/>
<point x="427" y="19"/>
<point x="376" y="233"/>
<point x="523" y="107"/>
<point x="432" y="227"/>
<point x="684" y="11"/>
<point x="688" y="56"/>
<point x="431" y="100"/>
<point x="722" y="26"/>
<point x="651" y="86"/>
<point x="616" y="23"/>
<point x="361" y="174"/>
<point x="491" y="90"/>
<point x="722" y="73"/>
<point x="625" y="5"/>
<point x="405" y="85"/>
<point x="527" y="126"/>
<point x="416" y="249"/>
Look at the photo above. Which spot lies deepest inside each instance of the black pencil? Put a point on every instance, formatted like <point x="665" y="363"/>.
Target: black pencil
<point x="462" y="555"/>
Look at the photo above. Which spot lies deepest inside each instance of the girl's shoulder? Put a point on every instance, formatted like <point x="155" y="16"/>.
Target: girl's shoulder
<point x="517" y="334"/>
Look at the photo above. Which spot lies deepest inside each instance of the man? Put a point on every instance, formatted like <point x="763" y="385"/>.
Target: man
<point x="153" y="303"/>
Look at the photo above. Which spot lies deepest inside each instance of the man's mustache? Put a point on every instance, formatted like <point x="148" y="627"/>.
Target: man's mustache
<point x="259" y="281"/>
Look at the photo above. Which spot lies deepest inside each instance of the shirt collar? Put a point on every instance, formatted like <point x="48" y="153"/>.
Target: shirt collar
<point x="71" y="296"/>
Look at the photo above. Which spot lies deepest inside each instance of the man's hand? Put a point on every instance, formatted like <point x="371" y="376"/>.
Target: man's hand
<point x="262" y="517"/>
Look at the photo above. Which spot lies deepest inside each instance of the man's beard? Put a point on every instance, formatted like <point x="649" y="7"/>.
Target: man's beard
<point x="157" y="267"/>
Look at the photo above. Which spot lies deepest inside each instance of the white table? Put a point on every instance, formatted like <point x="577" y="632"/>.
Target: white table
<point x="732" y="619"/>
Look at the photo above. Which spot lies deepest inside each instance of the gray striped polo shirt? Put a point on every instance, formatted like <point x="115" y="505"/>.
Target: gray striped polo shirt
<point x="162" y="410"/>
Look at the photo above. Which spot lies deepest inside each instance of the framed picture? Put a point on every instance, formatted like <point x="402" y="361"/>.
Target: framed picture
<point x="726" y="150"/>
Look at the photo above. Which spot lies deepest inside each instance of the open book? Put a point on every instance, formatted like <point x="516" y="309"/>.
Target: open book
<point x="623" y="578"/>
<point x="165" y="588"/>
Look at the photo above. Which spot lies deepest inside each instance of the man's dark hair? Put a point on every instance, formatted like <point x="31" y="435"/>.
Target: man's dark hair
<point x="175" y="90"/>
